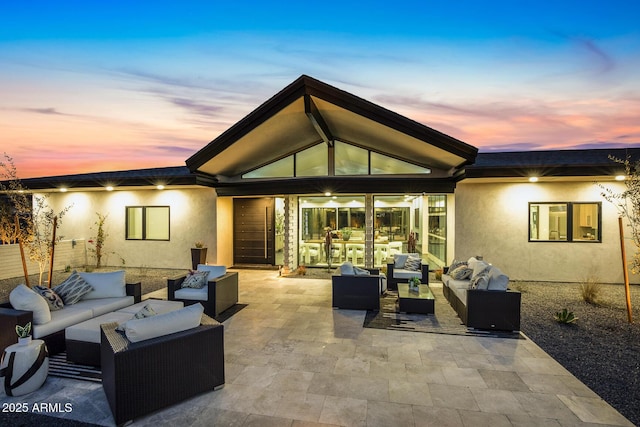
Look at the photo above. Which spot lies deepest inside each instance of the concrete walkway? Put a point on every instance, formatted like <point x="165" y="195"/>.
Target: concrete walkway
<point x="292" y="360"/>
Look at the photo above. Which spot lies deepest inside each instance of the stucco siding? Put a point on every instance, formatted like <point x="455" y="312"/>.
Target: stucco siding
<point x="224" y="242"/>
<point x="491" y="219"/>
<point x="192" y="218"/>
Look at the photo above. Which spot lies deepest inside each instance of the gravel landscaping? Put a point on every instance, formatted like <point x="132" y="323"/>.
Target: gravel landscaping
<point x="601" y="348"/>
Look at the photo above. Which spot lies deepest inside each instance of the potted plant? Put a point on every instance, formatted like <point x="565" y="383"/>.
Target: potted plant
<point x="24" y="334"/>
<point x="346" y="234"/>
<point x="414" y="284"/>
<point x="198" y="254"/>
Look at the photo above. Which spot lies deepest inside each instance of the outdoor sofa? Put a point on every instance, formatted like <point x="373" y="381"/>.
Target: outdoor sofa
<point x="404" y="267"/>
<point x="479" y="294"/>
<point x="357" y="288"/>
<point x="151" y="369"/>
<point x="109" y="292"/>
<point x="219" y="292"/>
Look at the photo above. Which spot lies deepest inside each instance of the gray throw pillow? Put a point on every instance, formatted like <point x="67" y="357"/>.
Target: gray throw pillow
<point x="346" y="269"/>
<point x="360" y="271"/>
<point x="53" y="299"/>
<point x="195" y="279"/>
<point x="480" y="282"/>
<point x="413" y="263"/>
<point x="462" y="272"/>
<point x="73" y="289"/>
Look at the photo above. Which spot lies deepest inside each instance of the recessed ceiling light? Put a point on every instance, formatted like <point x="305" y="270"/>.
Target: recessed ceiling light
<point x="327" y="193"/>
<point x="109" y="188"/>
<point x="63" y="189"/>
<point x="620" y="177"/>
<point x="160" y="187"/>
<point x="533" y="179"/>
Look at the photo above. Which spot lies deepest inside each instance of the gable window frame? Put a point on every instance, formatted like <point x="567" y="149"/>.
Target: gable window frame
<point x="147" y="226"/>
<point x="572" y="224"/>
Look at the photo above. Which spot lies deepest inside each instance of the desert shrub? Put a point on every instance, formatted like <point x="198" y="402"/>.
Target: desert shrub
<point x="590" y="288"/>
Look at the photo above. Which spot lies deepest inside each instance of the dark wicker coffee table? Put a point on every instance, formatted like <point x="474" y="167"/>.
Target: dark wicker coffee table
<point x="415" y="302"/>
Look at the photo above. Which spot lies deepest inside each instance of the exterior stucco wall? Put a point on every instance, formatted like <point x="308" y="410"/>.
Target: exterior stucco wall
<point x="192" y="218"/>
<point x="224" y="240"/>
<point x="491" y="219"/>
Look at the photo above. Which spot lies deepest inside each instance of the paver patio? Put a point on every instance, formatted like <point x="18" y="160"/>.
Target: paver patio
<point x="292" y="360"/>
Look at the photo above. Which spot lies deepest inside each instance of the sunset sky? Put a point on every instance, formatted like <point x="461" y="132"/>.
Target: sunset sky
<point x="101" y="86"/>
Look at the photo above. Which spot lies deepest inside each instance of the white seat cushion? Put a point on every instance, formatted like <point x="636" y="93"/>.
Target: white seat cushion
<point x="104" y="305"/>
<point x="159" y="306"/>
<point x="401" y="273"/>
<point x="89" y="330"/>
<point x="61" y="319"/>
<point x="193" y="294"/>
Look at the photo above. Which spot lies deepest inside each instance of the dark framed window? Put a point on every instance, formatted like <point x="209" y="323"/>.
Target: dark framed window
<point x="147" y="223"/>
<point x="565" y="222"/>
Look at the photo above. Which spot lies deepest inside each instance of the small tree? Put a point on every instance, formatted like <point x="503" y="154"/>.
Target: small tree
<point x="628" y="203"/>
<point x="14" y="204"/>
<point x="35" y="224"/>
<point x="39" y="241"/>
<point x="98" y="241"/>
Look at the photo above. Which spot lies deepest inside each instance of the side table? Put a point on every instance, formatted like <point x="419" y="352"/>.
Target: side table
<point x="24" y="367"/>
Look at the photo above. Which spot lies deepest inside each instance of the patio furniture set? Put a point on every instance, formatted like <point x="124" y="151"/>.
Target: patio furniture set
<point x="476" y="290"/>
<point x="100" y="320"/>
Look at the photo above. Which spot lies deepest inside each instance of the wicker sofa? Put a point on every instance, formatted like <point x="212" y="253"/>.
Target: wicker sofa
<point x="141" y="377"/>
<point x="53" y="332"/>
<point x="219" y="294"/>
<point x="479" y="302"/>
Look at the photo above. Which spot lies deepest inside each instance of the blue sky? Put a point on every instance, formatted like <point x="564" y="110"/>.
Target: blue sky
<point x="90" y="86"/>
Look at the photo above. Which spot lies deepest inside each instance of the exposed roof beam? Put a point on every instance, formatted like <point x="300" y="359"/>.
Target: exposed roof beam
<point x="314" y="115"/>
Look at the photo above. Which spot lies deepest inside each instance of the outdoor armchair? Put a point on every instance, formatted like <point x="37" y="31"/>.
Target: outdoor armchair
<point x="219" y="294"/>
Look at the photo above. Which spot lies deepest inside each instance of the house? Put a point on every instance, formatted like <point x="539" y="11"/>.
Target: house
<point x="315" y="159"/>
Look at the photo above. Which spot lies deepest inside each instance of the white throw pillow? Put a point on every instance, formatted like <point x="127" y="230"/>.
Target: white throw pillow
<point x="105" y="285"/>
<point x="163" y="324"/>
<point x="24" y="298"/>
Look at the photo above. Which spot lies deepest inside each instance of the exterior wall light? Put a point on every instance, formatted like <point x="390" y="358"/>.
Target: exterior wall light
<point x="109" y="188"/>
<point x="63" y="189"/>
<point x="327" y="193"/>
<point x="620" y="177"/>
<point x="160" y="187"/>
<point x="533" y="179"/>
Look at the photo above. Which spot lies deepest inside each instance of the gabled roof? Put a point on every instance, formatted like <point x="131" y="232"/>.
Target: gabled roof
<point x="560" y="163"/>
<point x="175" y="175"/>
<point x="309" y="111"/>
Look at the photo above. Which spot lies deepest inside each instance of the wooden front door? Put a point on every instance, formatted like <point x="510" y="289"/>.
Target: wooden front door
<point x="254" y="231"/>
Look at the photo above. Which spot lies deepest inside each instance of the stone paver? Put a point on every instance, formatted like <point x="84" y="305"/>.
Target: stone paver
<point x="292" y="360"/>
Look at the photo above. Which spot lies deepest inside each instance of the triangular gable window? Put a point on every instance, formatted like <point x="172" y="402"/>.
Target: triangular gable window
<point x="349" y="160"/>
<point x="383" y="165"/>
<point x="312" y="161"/>
<point x="282" y="168"/>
